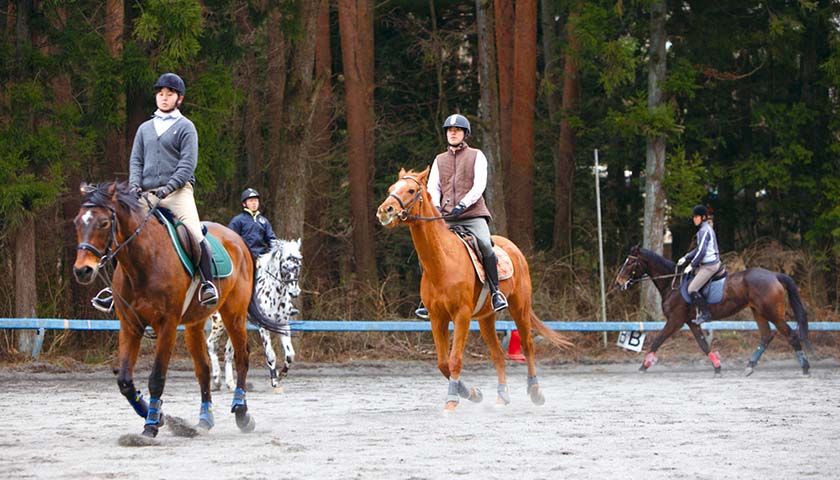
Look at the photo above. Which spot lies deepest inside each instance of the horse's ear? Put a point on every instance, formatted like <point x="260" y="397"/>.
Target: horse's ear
<point x="402" y="172"/>
<point x="424" y="175"/>
<point x="112" y="190"/>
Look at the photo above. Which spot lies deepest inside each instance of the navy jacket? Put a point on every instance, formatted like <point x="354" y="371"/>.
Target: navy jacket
<point x="255" y="230"/>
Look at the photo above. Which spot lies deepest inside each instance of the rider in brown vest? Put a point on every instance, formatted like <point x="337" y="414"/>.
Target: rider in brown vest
<point x="456" y="183"/>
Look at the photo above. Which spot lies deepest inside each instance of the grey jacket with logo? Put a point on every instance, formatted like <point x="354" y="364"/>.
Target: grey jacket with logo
<point x="169" y="159"/>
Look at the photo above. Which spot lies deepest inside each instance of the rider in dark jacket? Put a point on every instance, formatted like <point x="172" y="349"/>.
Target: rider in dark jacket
<point x="252" y="226"/>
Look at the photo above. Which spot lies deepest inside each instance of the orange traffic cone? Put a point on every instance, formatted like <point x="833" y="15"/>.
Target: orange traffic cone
<point x="515" y="348"/>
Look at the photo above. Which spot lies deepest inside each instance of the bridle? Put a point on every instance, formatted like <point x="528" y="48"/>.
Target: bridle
<point x="108" y="254"/>
<point x="645" y="276"/>
<point x="408" y="206"/>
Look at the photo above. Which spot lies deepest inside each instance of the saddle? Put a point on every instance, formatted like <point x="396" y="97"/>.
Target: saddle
<point x="712" y="291"/>
<point x="503" y="262"/>
<point x="180" y="237"/>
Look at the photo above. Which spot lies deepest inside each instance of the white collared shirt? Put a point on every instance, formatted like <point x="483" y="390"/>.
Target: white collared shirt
<point x="163" y="120"/>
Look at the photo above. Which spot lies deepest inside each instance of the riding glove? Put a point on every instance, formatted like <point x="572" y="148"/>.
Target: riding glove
<point x="458" y="210"/>
<point x="163" y="192"/>
<point x="135" y="190"/>
<point x="688" y="269"/>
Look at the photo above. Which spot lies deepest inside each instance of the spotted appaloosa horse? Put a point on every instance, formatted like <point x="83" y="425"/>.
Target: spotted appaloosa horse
<point x="762" y="290"/>
<point x="451" y="290"/>
<point x="278" y="273"/>
<point x="152" y="289"/>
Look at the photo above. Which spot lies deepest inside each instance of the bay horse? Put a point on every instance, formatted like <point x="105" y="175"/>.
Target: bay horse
<point x="152" y="288"/>
<point x="762" y="290"/>
<point x="278" y="276"/>
<point x="450" y="289"/>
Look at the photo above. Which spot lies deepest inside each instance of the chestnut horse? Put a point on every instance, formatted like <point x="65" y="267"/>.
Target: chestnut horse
<point x="151" y="289"/>
<point x="762" y="290"/>
<point x="450" y="290"/>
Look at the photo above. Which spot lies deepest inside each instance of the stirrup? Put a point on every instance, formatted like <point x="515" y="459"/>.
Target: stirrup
<point x="499" y="301"/>
<point x="701" y="318"/>
<point x="422" y="311"/>
<point x="104" y="300"/>
<point x="208" y="295"/>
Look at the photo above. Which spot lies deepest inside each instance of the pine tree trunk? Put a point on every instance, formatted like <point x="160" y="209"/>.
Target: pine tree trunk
<point x="503" y="12"/>
<point x="115" y="146"/>
<point x="521" y="177"/>
<point x="654" y="226"/>
<point x="26" y="292"/>
<point x="277" y="70"/>
<point x="315" y="242"/>
<point x="356" y="30"/>
<point x="489" y="114"/>
<point x="290" y="191"/>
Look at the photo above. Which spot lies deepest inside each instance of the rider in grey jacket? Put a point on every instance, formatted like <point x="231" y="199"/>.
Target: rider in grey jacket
<point x="704" y="262"/>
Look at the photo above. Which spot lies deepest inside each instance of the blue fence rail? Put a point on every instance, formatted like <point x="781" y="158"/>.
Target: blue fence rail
<point x="43" y="324"/>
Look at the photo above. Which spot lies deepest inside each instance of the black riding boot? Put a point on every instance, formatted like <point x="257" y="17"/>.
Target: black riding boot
<point x="421" y="311"/>
<point x="703" y="314"/>
<point x="492" y="273"/>
<point x="207" y="295"/>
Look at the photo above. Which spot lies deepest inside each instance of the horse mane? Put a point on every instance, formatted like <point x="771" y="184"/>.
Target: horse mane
<point x="657" y="260"/>
<point x="100" y="195"/>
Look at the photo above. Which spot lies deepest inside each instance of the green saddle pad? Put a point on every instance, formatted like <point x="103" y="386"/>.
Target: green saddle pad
<point x="222" y="265"/>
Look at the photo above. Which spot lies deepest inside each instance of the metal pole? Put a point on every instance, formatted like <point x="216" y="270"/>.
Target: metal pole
<point x="600" y="243"/>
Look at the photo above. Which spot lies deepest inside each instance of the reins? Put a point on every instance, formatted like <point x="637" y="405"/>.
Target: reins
<point x="409" y="206"/>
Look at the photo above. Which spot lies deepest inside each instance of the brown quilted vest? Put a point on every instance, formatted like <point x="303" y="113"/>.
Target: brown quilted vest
<point x="457" y="173"/>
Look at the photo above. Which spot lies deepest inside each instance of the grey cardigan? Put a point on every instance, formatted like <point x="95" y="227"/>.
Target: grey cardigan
<point x="168" y="159"/>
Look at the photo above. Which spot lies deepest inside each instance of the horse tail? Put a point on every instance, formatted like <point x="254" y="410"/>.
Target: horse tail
<point x="260" y="318"/>
<point x="555" y="338"/>
<point x="798" y="308"/>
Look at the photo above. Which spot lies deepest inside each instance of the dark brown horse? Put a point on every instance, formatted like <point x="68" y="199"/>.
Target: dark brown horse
<point x="762" y="290"/>
<point x="151" y="289"/>
<point x="451" y="290"/>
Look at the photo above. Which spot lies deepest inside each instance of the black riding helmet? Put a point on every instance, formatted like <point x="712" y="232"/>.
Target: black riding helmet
<point x="459" y="121"/>
<point x="172" y="82"/>
<point x="700" y="211"/>
<point x="249" y="193"/>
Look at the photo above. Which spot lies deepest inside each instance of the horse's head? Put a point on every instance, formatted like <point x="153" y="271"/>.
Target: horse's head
<point x="95" y="229"/>
<point x="280" y="272"/>
<point x="404" y="197"/>
<point x="632" y="270"/>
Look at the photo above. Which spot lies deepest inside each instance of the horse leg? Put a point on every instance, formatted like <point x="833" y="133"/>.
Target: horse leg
<point x="520" y="310"/>
<point x="487" y="324"/>
<point x="157" y="379"/>
<point x="197" y="346"/>
<point x="128" y="351"/>
<point x="270" y="358"/>
<point x="229" y="378"/>
<point x="440" y="334"/>
<point x="238" y="337"/>
<point x="459" y="342"/>
<point x="670" y="327"/>
<point x="714" y="357"/>
<point x="795" y="343"/>
<point x="766" y="338"/>
<point x="215" y="334"/>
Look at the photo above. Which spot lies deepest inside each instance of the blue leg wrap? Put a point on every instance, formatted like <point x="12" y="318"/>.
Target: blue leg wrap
<point x="205" y="415"/>
<point x="452" y="393"/>
<point x="139" y="405"/>
<point x="757" y="354"/>
<point x="238" y="399"/>
<point x="531" y="382"/>
<point x="153" y="417"/>
<point x="803" y="362"/>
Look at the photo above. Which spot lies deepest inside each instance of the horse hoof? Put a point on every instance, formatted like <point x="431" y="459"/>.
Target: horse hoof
<point x="475" y="395"/>
<point x="643" y="368"/>
<point x="537" y="396"/>
<point x="717" y="372"/>
<point x="806" y="372"/>
<point x="215" y="386"/>
<point x="150" y="431"/>
<point x="450" y="406"/>
<point x="246" y="423"/>
<point x="748" y="371"/>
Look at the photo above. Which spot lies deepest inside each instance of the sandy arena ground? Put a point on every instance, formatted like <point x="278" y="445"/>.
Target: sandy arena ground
<point x="385" y="421"/>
